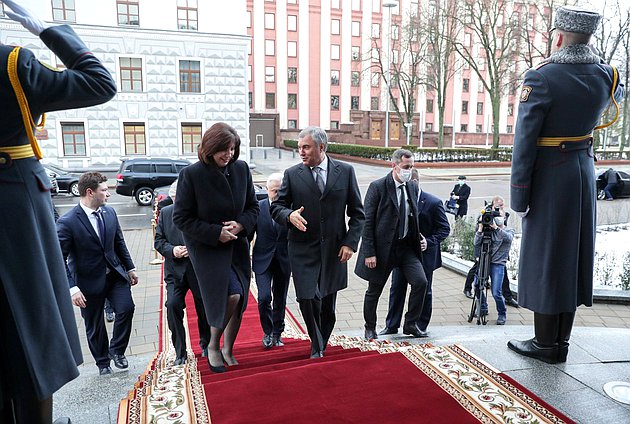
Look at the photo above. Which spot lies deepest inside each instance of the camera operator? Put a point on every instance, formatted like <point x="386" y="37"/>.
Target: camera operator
<point x="497" y="202"/>
<point x="492" y="222"/>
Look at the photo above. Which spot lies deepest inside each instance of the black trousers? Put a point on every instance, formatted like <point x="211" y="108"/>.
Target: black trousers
<point x="397" y="294"/>
<point x="505" y="288"/>
<point x="404" y="258"/>
<point x="273" y="285"/>
<point x="319" y="317"/>
<point x="175" y="305"/>
<point x="118" y="291"/>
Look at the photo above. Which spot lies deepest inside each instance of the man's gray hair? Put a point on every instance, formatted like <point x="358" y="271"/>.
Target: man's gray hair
<point x="276" y="176"/>
<point x="172" y="191"/>
<point x="401" y="153"/>
<point x="317" y="134"/>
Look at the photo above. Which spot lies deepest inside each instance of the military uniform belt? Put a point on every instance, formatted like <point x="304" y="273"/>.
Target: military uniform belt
<point x="561" y="141"/>
<point x="8" y="153"/>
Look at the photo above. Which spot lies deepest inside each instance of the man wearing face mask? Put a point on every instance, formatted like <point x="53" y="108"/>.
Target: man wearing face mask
<point x="391" y="238"/>
<point x="499" y="251"/>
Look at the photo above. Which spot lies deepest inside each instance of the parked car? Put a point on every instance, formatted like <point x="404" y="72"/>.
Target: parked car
<point x="67" y="181"/>
<point x="139" y="177"/>
<point x="623" y="185"/>
<point x="53" y="181"/>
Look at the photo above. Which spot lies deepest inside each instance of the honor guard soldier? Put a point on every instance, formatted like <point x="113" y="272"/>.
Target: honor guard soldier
<point x="553" y="180"/>
<point x="39" y="347"/>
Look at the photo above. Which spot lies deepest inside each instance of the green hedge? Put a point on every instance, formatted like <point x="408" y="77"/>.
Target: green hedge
<point x="425" y="155"/>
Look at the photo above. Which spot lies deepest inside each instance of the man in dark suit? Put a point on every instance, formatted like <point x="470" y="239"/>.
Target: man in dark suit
<point x="270" y="262"/>
<point x="391" y="238"/>
<point x="553" y="180"/>
<point x="179" y="277"/>
<point x="461" y="193"/>
<point x="313" y="200"/>
<point x="35" y="363"/>
<point x="435" y="228"/>
<point x="99" y="267"/>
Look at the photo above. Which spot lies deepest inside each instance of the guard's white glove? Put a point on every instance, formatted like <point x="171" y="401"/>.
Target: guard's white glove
<point x="25" y="17"/>
<point x="523" y="214"/>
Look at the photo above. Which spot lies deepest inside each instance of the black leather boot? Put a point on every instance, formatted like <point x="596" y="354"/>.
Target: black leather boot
<point x="565" y="324"/>
<point x="544" y="346"/>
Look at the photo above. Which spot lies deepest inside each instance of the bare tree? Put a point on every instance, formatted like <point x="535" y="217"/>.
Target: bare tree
<point x="494" y="29"/>
<point x="437" y="30"/>
<point x="400" y="71"/>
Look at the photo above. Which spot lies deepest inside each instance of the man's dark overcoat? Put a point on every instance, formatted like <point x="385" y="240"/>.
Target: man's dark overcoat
<point x="314" y="253"/>
<point x="32" y="273"/>
<point x="207" y="196"/>
<point x="381" y="224"/>
<point x="557" y="184"/>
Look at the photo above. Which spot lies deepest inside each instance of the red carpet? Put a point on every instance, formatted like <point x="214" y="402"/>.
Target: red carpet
<point x="348" y="385"/>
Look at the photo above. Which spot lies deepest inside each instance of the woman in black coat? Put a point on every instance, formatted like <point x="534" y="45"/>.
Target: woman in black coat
<point x="216" y="209"/>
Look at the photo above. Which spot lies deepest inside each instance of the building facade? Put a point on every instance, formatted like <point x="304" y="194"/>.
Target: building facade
<point x="179" y="65"/>
<point x="309" y="63"/>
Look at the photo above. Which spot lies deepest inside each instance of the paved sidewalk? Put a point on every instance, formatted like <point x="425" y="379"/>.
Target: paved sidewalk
<point x="600" y="350"/>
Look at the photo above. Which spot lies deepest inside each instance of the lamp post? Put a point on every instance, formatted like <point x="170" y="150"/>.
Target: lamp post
<point x="389" y="4"/>
<point x="408" y="125"/>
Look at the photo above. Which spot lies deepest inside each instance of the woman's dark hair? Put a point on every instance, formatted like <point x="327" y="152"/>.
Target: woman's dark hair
<point x="218" y="138"/>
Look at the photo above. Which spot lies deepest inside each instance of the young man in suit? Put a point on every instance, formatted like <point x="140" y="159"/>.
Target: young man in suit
<point x="179" y="277"/>
<point x="391" y="238"/>
<point x="435" y="228"/>
<point x="270" y="263"/>
<point x="33" y="286"/>
<point x="314" y="199"/>
<point x="99" y="267"/>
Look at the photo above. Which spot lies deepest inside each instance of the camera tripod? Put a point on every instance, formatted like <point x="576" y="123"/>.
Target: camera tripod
<point x="482" y="284"/>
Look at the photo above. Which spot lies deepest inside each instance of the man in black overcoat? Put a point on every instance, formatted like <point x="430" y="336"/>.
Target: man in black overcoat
<point x="179" y="277"/>
<point x="39" y="347"/>
<point x="391" y="239"/>
<point x="313" y="201"/>
<point x="461" y="193"/>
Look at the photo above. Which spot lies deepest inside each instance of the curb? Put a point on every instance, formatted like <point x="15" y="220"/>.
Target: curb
<point x="461" y="266"/>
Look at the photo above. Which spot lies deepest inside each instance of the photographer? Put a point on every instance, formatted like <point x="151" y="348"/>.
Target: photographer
<point x="492" y="224"/>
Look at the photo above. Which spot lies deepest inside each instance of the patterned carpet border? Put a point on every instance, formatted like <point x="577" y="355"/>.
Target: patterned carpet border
<point x="174" y="394"/>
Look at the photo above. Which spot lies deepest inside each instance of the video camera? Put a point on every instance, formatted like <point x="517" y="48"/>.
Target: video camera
<point x="487" y="216"/>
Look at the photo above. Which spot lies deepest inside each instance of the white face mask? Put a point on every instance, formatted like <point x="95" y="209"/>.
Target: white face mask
<point x="404" y="175"/>
<point x="461" y="182"/>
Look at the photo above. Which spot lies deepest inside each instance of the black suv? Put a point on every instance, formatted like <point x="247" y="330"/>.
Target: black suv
<point x="138" y="177"/>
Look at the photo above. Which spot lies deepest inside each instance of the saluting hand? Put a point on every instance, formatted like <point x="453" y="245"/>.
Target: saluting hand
<point x="297" y="220"/>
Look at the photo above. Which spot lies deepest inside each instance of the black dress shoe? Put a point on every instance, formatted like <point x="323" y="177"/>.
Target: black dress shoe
<point x="221" y="368"/>
<point x="266" y="341"/>
<point x="120" y="361"/>
<point x="62" y="420"/>
<point x="532" y="349"/>
<point x="109" y="316"/>
<point x="468" y="294"/>
<point x="385" y="331"/>
<point x="105" y="370"/>
<point x="277" y="341"/>
<point x="179" y="361"/>
<point x="370" y="334"/>
<point x="317" y="354"/>
<point x="204" y="352"/>
<point x="512" y="302"/>
<point x="414" y="330"/>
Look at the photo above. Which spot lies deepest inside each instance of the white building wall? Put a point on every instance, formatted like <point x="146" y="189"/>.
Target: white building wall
<point x="223" y="97"/>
